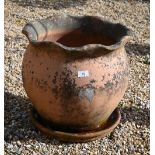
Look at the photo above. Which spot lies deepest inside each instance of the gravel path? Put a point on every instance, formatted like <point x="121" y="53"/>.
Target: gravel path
<point x="132" y="135"/>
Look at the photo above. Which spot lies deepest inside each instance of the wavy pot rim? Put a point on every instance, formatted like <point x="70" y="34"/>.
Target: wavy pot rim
<point x="31" y="31"/>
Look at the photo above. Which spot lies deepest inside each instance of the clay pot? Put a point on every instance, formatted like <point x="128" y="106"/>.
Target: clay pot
<point x="75" y="69"/>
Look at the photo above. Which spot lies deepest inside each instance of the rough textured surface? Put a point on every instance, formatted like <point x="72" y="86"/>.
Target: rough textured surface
<point x="58" y="98"/>
<point x="132" y="134"/>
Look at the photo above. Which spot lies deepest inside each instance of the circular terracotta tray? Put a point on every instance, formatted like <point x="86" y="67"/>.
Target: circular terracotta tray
<point x="84" y="136"/>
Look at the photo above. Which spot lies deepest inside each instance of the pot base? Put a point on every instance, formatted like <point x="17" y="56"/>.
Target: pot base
<point x="84" y="136"/>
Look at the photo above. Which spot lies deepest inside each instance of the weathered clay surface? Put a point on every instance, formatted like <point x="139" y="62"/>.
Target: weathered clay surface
<point x="50" y="72"/>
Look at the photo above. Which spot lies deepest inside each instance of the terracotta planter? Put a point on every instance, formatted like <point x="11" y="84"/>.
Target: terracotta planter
<point x="75" y="69"/>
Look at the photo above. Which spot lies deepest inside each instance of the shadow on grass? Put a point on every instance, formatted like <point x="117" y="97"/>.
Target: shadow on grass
<point x="18" y="125"/>
<point x="49" y="4"/>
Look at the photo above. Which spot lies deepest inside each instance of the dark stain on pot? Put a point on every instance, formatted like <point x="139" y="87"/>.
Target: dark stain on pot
<point x="120" y="75"/>
<point x="55" y="90"/>
<point x="89" y="85"/>
<point x="109" y="85"/>
<point x="50" y="102"/>
<point x="92" y="81"/>
<point x="115" y="83"/>
<point x="55" y="78"/>
<point x="56" y="73"/>
<point x="103" y="78"/>
<point x="67" y="88"/>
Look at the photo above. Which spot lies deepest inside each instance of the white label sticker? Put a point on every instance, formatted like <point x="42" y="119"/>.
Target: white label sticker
<point x="83" y="73"/>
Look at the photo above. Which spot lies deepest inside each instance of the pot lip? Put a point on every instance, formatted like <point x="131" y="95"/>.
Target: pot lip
<point x="123" y="40"/>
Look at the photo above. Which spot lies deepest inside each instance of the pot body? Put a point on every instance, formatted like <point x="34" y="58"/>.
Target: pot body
<point x="71" y="91"/>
